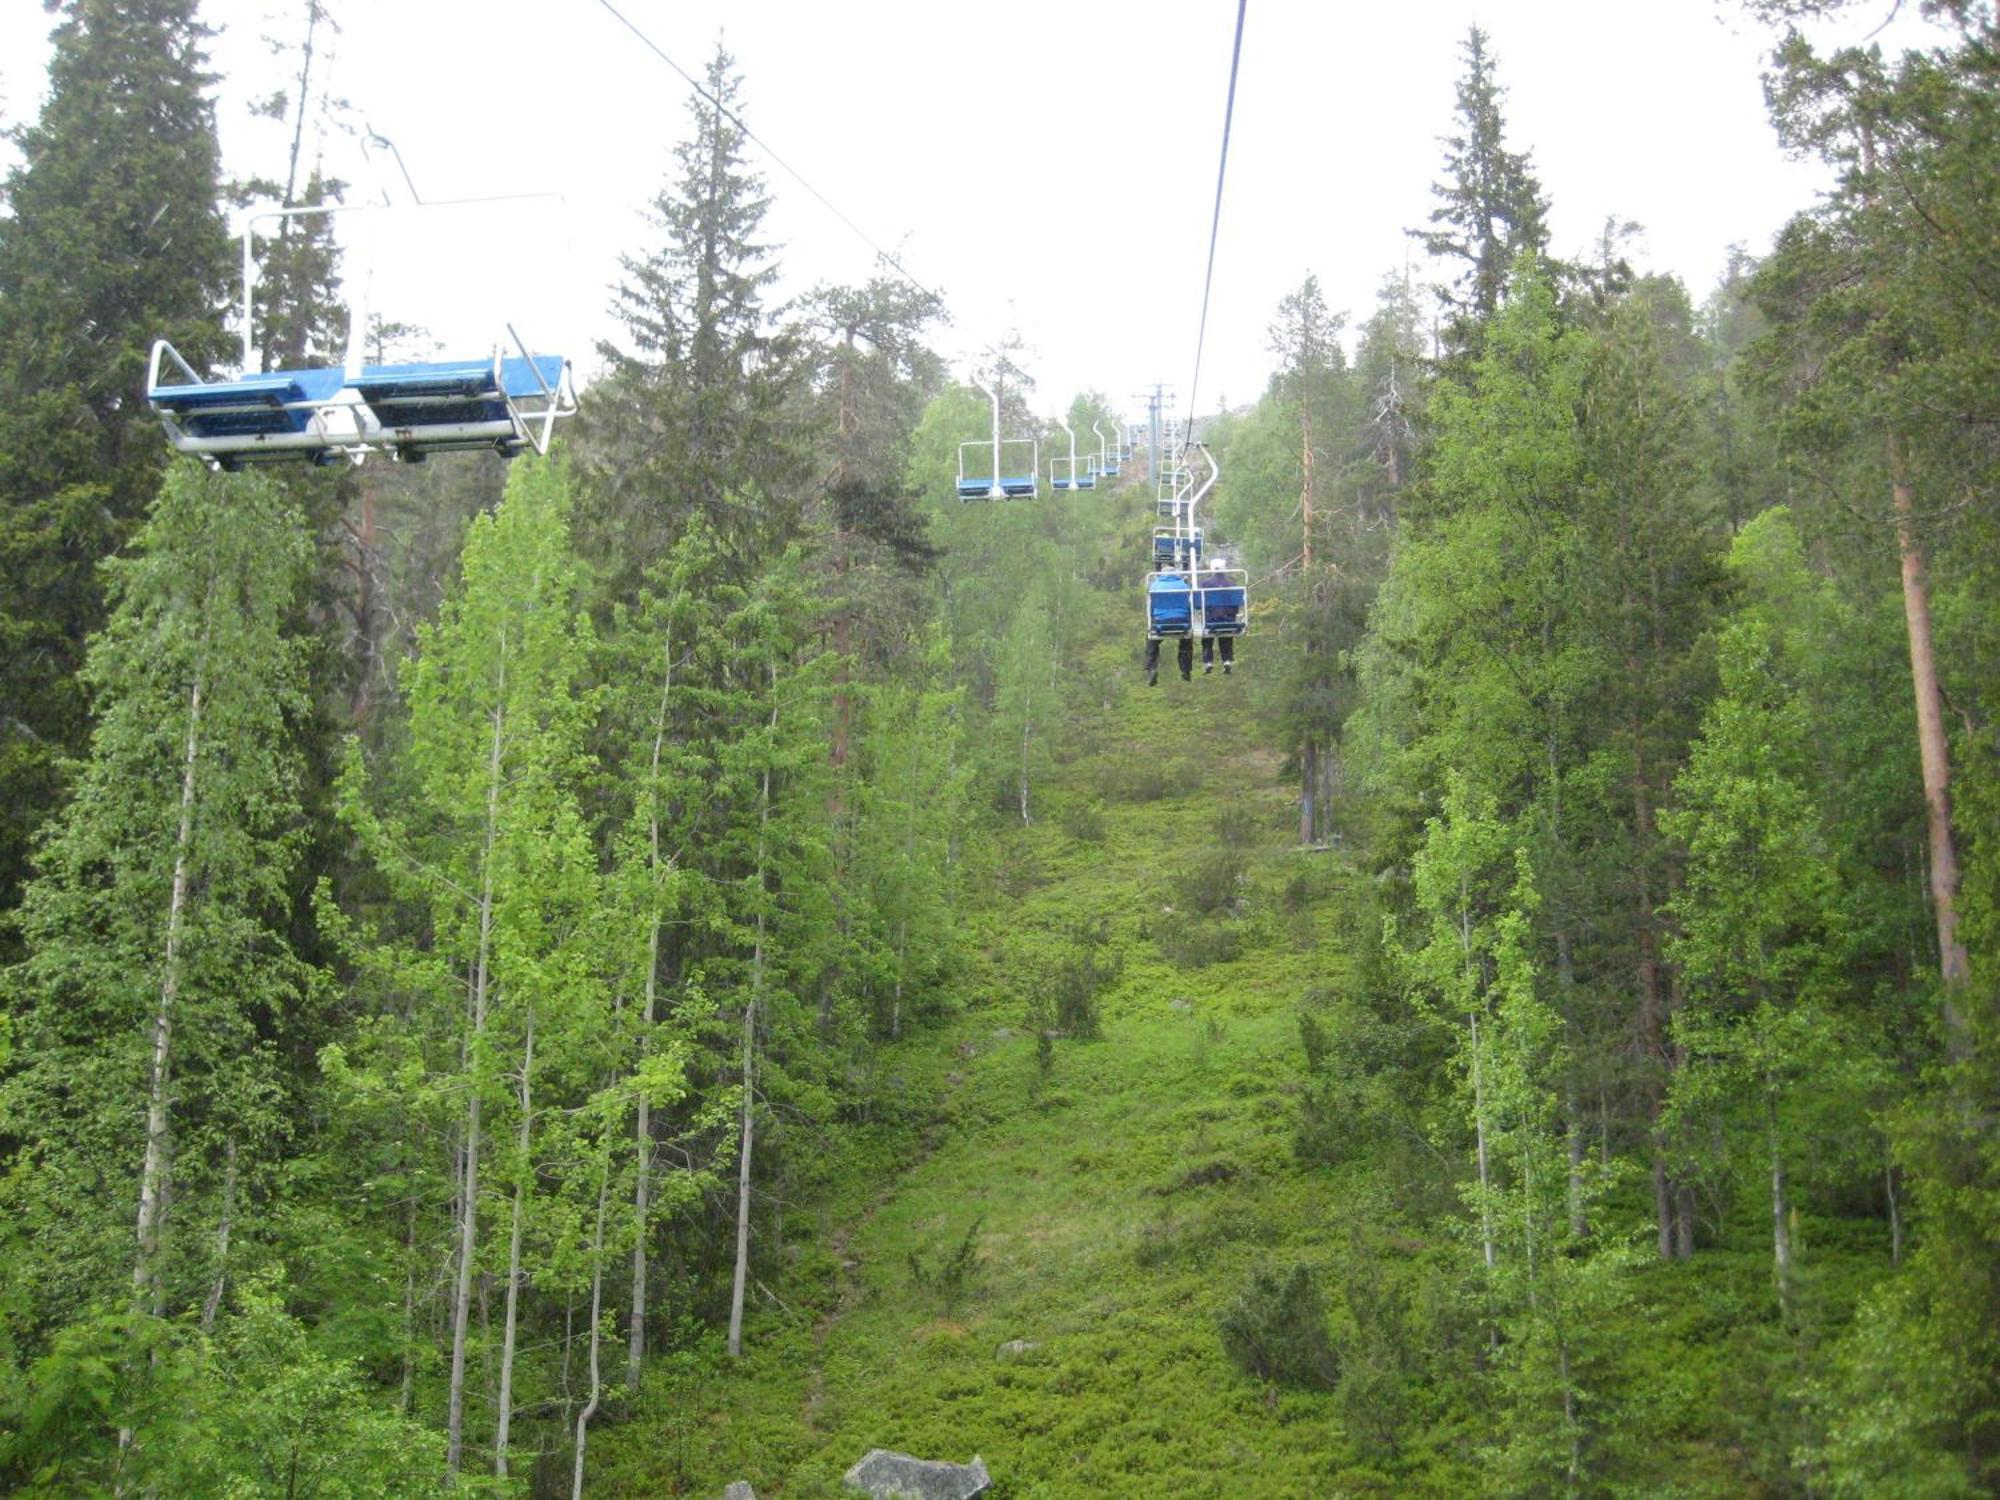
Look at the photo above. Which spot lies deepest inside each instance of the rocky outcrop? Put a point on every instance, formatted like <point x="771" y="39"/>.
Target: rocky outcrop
<point x="897" y="1476"/>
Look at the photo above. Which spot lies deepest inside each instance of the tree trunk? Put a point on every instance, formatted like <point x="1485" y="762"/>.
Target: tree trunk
<point x="1486" y="1249"/>
<point x="1027" y="739"/>
<point x="407" y="1390"/>
<point x="146" y="1288"/>
<point x="523" y="1144"/>
<point x="1895" y="1216"/>
<point x="468" y="1207"/>
<point x="222" y="1228"/>
<point x="1652" y="1008"/>
<point x="1305" y="481"/>
<point x="1781" y="1232"/>
<point x="596" y="1334"/>
<point x="642" y="1130"/>
<point x="1579" y="1153"/>
<point x="1954" y="967"/>
<point x="748" y="1118"/>
<point x="1308" y="786"/>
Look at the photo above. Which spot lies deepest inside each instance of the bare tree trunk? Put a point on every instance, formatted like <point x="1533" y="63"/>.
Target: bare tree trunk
<point x="1486" y="1248"/>
<point x="1954" y="967"/>
<point x="642" y="1132"/>
<point x="1579" y="1153"/>
<point x="468" y="1208"/>
<point x="1306" y="481"/>
<point x="1895" y="1216"/>
<point x="1652" y="1031"/>
<point x="596" y="1334"/>
<point x="215" y="1292"/>
<point x="1781" y="1232"/>
<point x="523" y="1143"/>
<point x="1308" y="786"/>
<point x="1027" y="734"/>
<point x="748" y="1118"/>
<point x="407" y="1390"/>
<point x="159" y="1143"/>
<point x="363" y="537"/>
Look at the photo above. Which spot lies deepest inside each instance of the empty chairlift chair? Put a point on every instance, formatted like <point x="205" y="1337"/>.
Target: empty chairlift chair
<point x="999" y="469"/>
<point x="1064" y="473"/>
<point x="506" y="400"/>
<point x="1107" y="453"/>
<point x="1175" y="548"/>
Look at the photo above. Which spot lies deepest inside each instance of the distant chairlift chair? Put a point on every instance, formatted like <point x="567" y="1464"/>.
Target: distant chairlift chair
<point x="1107" y="453"/>
<point x="992" y="470"/>
<point x="1185" y="596"/>
<point x="1064" y="473"/>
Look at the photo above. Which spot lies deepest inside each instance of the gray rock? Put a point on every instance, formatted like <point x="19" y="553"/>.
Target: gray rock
<point x="739" y="1489"/>
<point x="1016" y="1349"/>
<point x="897" y="1476"/>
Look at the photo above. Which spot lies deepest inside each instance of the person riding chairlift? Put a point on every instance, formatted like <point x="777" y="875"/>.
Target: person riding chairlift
<point x="1174" y="582"/>
<point x="1217" y="579"/>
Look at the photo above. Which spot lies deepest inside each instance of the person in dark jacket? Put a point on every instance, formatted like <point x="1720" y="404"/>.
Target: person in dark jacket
<point x="1217" y="614"/>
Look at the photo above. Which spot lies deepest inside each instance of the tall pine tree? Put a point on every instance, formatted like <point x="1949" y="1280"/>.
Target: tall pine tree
<point x="112" y="239"/>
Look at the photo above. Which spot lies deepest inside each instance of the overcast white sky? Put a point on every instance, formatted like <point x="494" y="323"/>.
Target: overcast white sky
<point x="1048" y="164"/>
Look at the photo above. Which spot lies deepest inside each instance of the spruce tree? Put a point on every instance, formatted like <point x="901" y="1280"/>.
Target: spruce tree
<point x="112" y="239"/>
<point x="1490" y="207"/>
<point x="695" y="415"/>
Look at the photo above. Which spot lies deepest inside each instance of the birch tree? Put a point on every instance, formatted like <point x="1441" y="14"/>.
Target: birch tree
<point x="484" y="839"/>
<point x="157" y="961"/>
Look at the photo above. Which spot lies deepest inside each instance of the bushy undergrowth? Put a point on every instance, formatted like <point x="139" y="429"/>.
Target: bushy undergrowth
<point x="1276" y="1329"/>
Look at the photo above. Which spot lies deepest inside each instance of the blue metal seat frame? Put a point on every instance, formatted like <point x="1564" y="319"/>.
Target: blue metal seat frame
<point x="506" y="403"/>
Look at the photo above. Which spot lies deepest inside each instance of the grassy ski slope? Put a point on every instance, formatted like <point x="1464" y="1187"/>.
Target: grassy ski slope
<point x="1114" y="1205"/>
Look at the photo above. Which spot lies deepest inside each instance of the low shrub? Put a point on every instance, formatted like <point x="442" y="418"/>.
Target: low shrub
<point x="1214" y="882"/>
<point x="1084" y="821"/>
<point x="1276" y="1330"/>
<point x="951" y="1276"/>
<point x="1196" y="945"/>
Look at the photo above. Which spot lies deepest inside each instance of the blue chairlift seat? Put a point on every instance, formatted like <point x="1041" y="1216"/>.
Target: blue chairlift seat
<point x="975" y="487"/>
<point x="1017" y="486"/>
<point x="502" y="403"/>
<point x="1171" y="549"/>
<point x="1169" y="605"/>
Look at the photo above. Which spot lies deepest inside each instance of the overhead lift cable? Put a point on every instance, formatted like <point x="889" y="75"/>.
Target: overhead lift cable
<point x="1215" y="224"/>
<point x="784" y="166"/>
